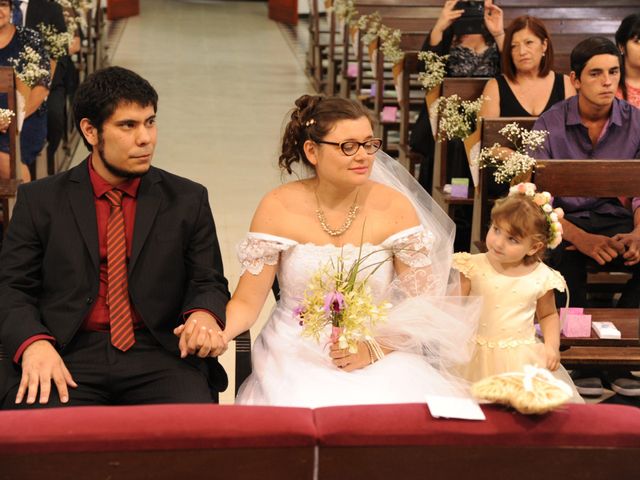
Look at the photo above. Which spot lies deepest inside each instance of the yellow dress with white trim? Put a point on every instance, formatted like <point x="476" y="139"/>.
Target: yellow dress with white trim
<point x="506" y="338"/>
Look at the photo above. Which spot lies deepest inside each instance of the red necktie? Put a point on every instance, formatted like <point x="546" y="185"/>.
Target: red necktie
<point x="121" y="321"/>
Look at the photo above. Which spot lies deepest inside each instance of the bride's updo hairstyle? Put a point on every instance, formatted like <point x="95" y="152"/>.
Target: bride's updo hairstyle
<point x="312" y="119"/>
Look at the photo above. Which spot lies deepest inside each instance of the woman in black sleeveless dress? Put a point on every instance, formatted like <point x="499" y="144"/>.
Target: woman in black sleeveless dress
<point x="528" y="86"/>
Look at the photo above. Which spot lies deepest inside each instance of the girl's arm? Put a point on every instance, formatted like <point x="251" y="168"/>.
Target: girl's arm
<point x="465" y="286"/>
<point x="550" y="324"/>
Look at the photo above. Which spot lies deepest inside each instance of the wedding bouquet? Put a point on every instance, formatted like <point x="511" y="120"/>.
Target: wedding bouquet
<point x="435" y="69"/>
<point x="458" y="117"/>
<point x="340" y="297"/>
<point x="512" y="163"/>
<point x="27" y="67"/>
<point x="56" y="43"/>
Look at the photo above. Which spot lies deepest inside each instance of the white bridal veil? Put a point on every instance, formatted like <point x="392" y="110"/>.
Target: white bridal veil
<point x="428" y="317"/>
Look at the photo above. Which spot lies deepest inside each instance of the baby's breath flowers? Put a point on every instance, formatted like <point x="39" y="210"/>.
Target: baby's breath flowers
<point x="390" y="44"/>
<point x="435" y="69"/>
<point x="512" y="163"/>
<point x="370" y="24"/>
<point x="6" y="115"/>
<point x="28" y="68"/>
<point x="345" y="10"/>
<point x="336" y="296"/>
<point x="73" y="11"/>
<point x="458" y="117"/>
<point x="56" y="43"/>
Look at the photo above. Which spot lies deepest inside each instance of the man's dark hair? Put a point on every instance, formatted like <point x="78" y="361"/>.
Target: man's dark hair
<point x="588" y="48"/>
<point x="104" y="90"/>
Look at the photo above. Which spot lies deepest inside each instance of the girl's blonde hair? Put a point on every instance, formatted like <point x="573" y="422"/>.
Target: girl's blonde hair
<point x="522" y="218"/>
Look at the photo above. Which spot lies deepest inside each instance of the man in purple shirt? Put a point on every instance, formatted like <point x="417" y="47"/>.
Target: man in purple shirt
<point x="595" y="124"/>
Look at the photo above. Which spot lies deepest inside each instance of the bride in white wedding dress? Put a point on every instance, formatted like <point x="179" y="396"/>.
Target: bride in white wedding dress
<point x="355" y="199"/>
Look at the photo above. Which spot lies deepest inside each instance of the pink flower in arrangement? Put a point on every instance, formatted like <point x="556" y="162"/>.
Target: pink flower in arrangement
<point x="333" y="302"/>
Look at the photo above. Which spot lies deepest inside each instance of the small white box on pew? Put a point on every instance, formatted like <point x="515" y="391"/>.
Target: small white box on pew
<point x="606" y="330"/>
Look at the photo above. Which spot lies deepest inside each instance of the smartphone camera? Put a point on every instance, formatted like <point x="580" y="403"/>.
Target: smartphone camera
<point x="472" y="20"/>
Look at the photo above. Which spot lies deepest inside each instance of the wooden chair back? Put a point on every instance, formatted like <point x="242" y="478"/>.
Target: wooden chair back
<point x="9" y="187"/>
<point x="589" y="178"/>
<point x="490" y="134"/>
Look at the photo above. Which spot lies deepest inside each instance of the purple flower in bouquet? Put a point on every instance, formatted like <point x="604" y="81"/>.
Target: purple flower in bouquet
<point x="334" y="303"/>
<point x="299" y="312"/>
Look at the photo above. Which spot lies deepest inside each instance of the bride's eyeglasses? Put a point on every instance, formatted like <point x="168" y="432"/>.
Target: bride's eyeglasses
<point x="351" y="147"/>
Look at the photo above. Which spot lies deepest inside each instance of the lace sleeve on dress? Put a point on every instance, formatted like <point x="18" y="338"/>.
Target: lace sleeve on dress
<point x="256" y="251"/>
<point x="414" y="249"/>
<point x="463" y="262"/>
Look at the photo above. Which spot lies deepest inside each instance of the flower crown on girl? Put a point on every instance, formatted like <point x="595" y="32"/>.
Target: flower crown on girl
<point x="543" y="200"/>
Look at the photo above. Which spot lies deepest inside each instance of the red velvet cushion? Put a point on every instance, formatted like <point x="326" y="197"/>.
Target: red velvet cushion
<point x="154" y="427"/>
<point x="411" y="424"/>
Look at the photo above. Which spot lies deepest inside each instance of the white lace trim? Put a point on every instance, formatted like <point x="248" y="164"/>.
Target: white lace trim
<point x="503" y="343"/>
<point x="260" y="249"/>
<point x="414" y="249"/>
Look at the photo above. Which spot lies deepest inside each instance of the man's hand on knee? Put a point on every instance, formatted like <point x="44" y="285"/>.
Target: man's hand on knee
<point x="42" y="364"/>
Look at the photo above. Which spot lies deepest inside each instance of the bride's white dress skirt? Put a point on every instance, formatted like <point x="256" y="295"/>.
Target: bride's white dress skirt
<point x="292" y="370"/>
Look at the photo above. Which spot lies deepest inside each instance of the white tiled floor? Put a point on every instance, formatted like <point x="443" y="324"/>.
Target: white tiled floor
<point x="226" y="78"/>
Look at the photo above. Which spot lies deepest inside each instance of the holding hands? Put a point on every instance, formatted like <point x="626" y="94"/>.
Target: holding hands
<point x="201" y="335"/>
<point x="604" y="249"/>
<point x="631" y="243"/>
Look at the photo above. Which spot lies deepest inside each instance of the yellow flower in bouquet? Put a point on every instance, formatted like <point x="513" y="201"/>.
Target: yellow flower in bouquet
<point x="341" y="297"/>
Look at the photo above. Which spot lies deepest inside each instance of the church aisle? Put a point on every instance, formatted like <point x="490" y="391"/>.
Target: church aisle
<point x="225" y="77"/>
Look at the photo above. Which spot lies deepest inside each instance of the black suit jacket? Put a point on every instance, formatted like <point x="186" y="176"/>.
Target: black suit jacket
<point x="49" y="264"/>
<point x="47" y="12"/>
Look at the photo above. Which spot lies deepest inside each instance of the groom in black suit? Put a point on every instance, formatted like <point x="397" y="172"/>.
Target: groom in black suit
<point x="102" y="262"/>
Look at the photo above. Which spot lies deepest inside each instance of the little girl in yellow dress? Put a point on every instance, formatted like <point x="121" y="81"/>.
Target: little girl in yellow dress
<point x="516" y="287"/>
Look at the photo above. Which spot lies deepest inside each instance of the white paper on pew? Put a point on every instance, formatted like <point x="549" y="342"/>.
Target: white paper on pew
<point x="454" y="407"/>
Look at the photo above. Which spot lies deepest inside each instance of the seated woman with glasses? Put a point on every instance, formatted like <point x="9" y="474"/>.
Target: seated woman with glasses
<point x="353" y="202"/>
